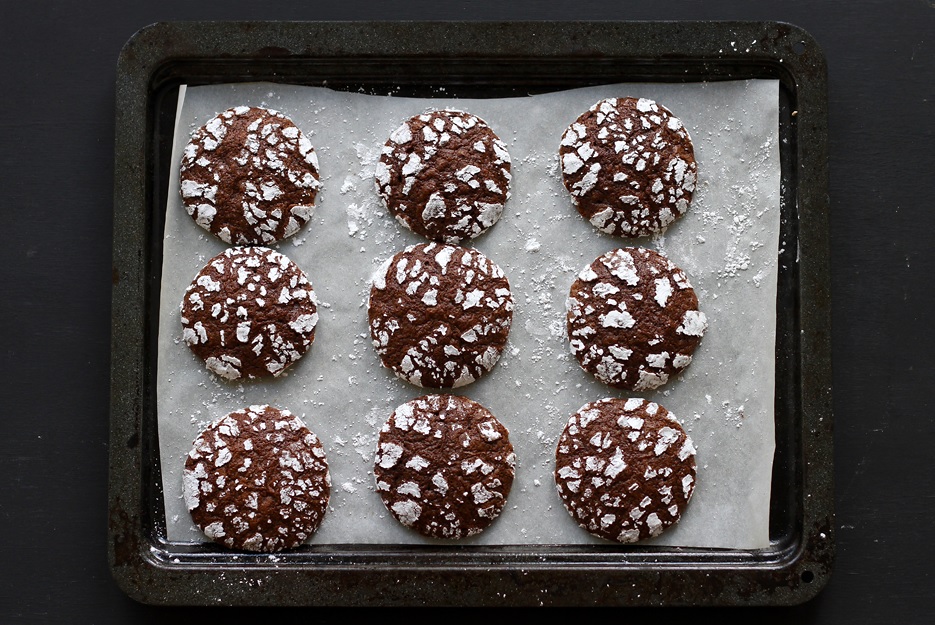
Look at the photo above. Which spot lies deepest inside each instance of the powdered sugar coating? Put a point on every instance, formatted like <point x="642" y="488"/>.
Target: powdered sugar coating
<point x="633" y="319"/>
<point x="250" y="176"/>
<point x="249" y="313"/>
<point x="444" y="466"/>
<point x="629" y="166"/>
<point x="445" y="175"/>
<point x="625" y="469"/>
<point x="258" y="480"/>
<point x="440" y="314"/>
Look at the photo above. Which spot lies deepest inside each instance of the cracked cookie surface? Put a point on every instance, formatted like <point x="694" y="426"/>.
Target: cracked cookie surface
<point x="444" y="466"/>
<point x="257" y="480"/>
<point x="629" y="165"/>
<point x="440" y="314"/>
<point x="249" y="313"/>
<point x="249" y="176"/>
<point x="632" y="319"/>
<point x="445" y="175"/>
<point x="624" y="468"/>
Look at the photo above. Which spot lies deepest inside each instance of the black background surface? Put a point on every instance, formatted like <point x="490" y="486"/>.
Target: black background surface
<point x="56" y="178"/>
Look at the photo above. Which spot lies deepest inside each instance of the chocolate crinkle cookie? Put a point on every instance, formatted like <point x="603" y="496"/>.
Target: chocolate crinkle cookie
<point x="250" y="176"/>
<point x="440" y="314"/>
<point x="444" y="466"/>
<point x="445" y="175"/>
<point x="624" y="468"/>
<point x="257" y="480"/>
<point x="249" y="313"/>
<point x="629" y="166"/>
<point x="633" y="319"/>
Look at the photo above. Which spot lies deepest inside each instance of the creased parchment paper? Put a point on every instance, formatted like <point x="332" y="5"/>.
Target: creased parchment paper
<point x="727" y="244"/>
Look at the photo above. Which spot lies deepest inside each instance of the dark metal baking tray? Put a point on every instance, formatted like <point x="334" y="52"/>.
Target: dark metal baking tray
<point x="474" y="60"/>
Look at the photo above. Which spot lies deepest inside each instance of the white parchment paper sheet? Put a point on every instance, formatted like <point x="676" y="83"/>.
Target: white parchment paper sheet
<point x="727" y="243"/>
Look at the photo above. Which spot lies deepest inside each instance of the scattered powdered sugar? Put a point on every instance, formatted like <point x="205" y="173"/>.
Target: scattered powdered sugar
<point x="541" y="244"/>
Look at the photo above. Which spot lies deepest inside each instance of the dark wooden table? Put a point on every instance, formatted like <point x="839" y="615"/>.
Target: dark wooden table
<point x="56" y="176"/>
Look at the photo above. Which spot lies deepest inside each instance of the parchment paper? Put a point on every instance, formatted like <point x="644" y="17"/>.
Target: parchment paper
<point x="727" y="244"/>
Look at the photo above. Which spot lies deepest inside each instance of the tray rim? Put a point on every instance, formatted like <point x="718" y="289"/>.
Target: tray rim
<point x="789" y="575"/>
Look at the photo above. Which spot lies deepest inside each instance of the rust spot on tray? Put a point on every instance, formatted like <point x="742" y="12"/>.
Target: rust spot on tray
<point x="273" y="51"/>
<point x="125" y="540"/>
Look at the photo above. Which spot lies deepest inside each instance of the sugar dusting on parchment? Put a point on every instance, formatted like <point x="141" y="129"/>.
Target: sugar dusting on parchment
<point x="726" y="243"/>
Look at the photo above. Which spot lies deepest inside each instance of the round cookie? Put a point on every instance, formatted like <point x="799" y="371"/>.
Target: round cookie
<point x="629" y="166"/>
<point x="444" y="466"/>
<point x="440" y="314"/>
<point x="445" y="175"/>
<point x="257" y="480"/>
<point x="624" y="468"/>
<point x="633" y="319"/>
<point x="249" y="176"/>
<point x="249" y="313"/>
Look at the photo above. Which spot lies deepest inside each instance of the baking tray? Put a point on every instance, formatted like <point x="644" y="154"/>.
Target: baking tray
<point x="474" y="59"/>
